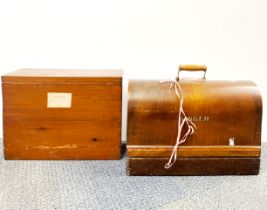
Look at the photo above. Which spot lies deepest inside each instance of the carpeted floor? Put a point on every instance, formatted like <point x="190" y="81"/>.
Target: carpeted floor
<point x="105" y="185"/>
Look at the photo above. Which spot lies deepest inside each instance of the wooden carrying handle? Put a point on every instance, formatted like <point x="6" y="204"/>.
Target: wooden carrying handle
<point x="192" y="67"/>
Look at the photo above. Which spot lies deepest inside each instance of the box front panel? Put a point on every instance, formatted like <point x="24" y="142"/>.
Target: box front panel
<point x="62" y="121"/>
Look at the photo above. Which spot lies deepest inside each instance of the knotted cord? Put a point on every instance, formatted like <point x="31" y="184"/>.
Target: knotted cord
<point x="182" y="122"/>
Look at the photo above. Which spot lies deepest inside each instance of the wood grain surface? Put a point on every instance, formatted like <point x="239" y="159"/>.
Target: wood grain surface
<point x="194" y="151"/>
<point x="221" y="110"/>
<point x="193" y="166"/>
<point x="89" y="129"/>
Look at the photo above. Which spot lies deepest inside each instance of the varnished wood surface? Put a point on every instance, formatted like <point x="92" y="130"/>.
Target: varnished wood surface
<point x="90" y="129"/>
<point x="104" y="77"/>
<point x="28" y="72"/>
<point x="65" y="152"/>
<point x="234" y="109"/>
<point x="192" y="67"/>
<point x="194" y="151"/>
<point x="221" y="110"/>
<point x="186" y="166"/>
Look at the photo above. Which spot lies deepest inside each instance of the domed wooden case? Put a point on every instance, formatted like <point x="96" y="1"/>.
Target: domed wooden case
<point x="227" y="115"/>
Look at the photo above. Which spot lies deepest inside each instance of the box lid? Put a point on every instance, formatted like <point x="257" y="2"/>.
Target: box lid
<point x="63" y="76"/>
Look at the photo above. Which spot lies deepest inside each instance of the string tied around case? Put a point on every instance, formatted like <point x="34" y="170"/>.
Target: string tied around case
<point x="183" y="122"/>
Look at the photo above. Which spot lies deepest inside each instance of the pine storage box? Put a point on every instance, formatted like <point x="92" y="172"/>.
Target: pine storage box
<point x="62" y="114"/>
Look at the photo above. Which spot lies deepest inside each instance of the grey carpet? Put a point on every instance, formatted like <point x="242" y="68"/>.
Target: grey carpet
<point x="104" y="185"/>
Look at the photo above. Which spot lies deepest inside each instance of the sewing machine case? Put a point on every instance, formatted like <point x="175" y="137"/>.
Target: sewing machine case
<point x="227" y="140"/>
<point x="62" y="114"/>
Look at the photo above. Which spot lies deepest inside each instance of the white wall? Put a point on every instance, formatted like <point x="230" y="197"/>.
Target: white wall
<point x="148" y="39"/>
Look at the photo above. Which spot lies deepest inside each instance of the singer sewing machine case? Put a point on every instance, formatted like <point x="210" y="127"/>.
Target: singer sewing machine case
<point x="62" y="114"/>
<point x="227" y="140"/>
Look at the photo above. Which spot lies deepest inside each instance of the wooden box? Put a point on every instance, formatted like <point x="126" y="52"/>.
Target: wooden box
<point x="227" y="115"/>
<point x="62" y="114"/>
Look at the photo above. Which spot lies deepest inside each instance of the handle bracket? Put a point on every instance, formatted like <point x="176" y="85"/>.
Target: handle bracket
<point x="192" y="67"/>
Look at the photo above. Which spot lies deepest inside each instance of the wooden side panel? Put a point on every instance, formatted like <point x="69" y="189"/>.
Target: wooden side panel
<point x="90" y="129"/>
<point x="193" y="166"/>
